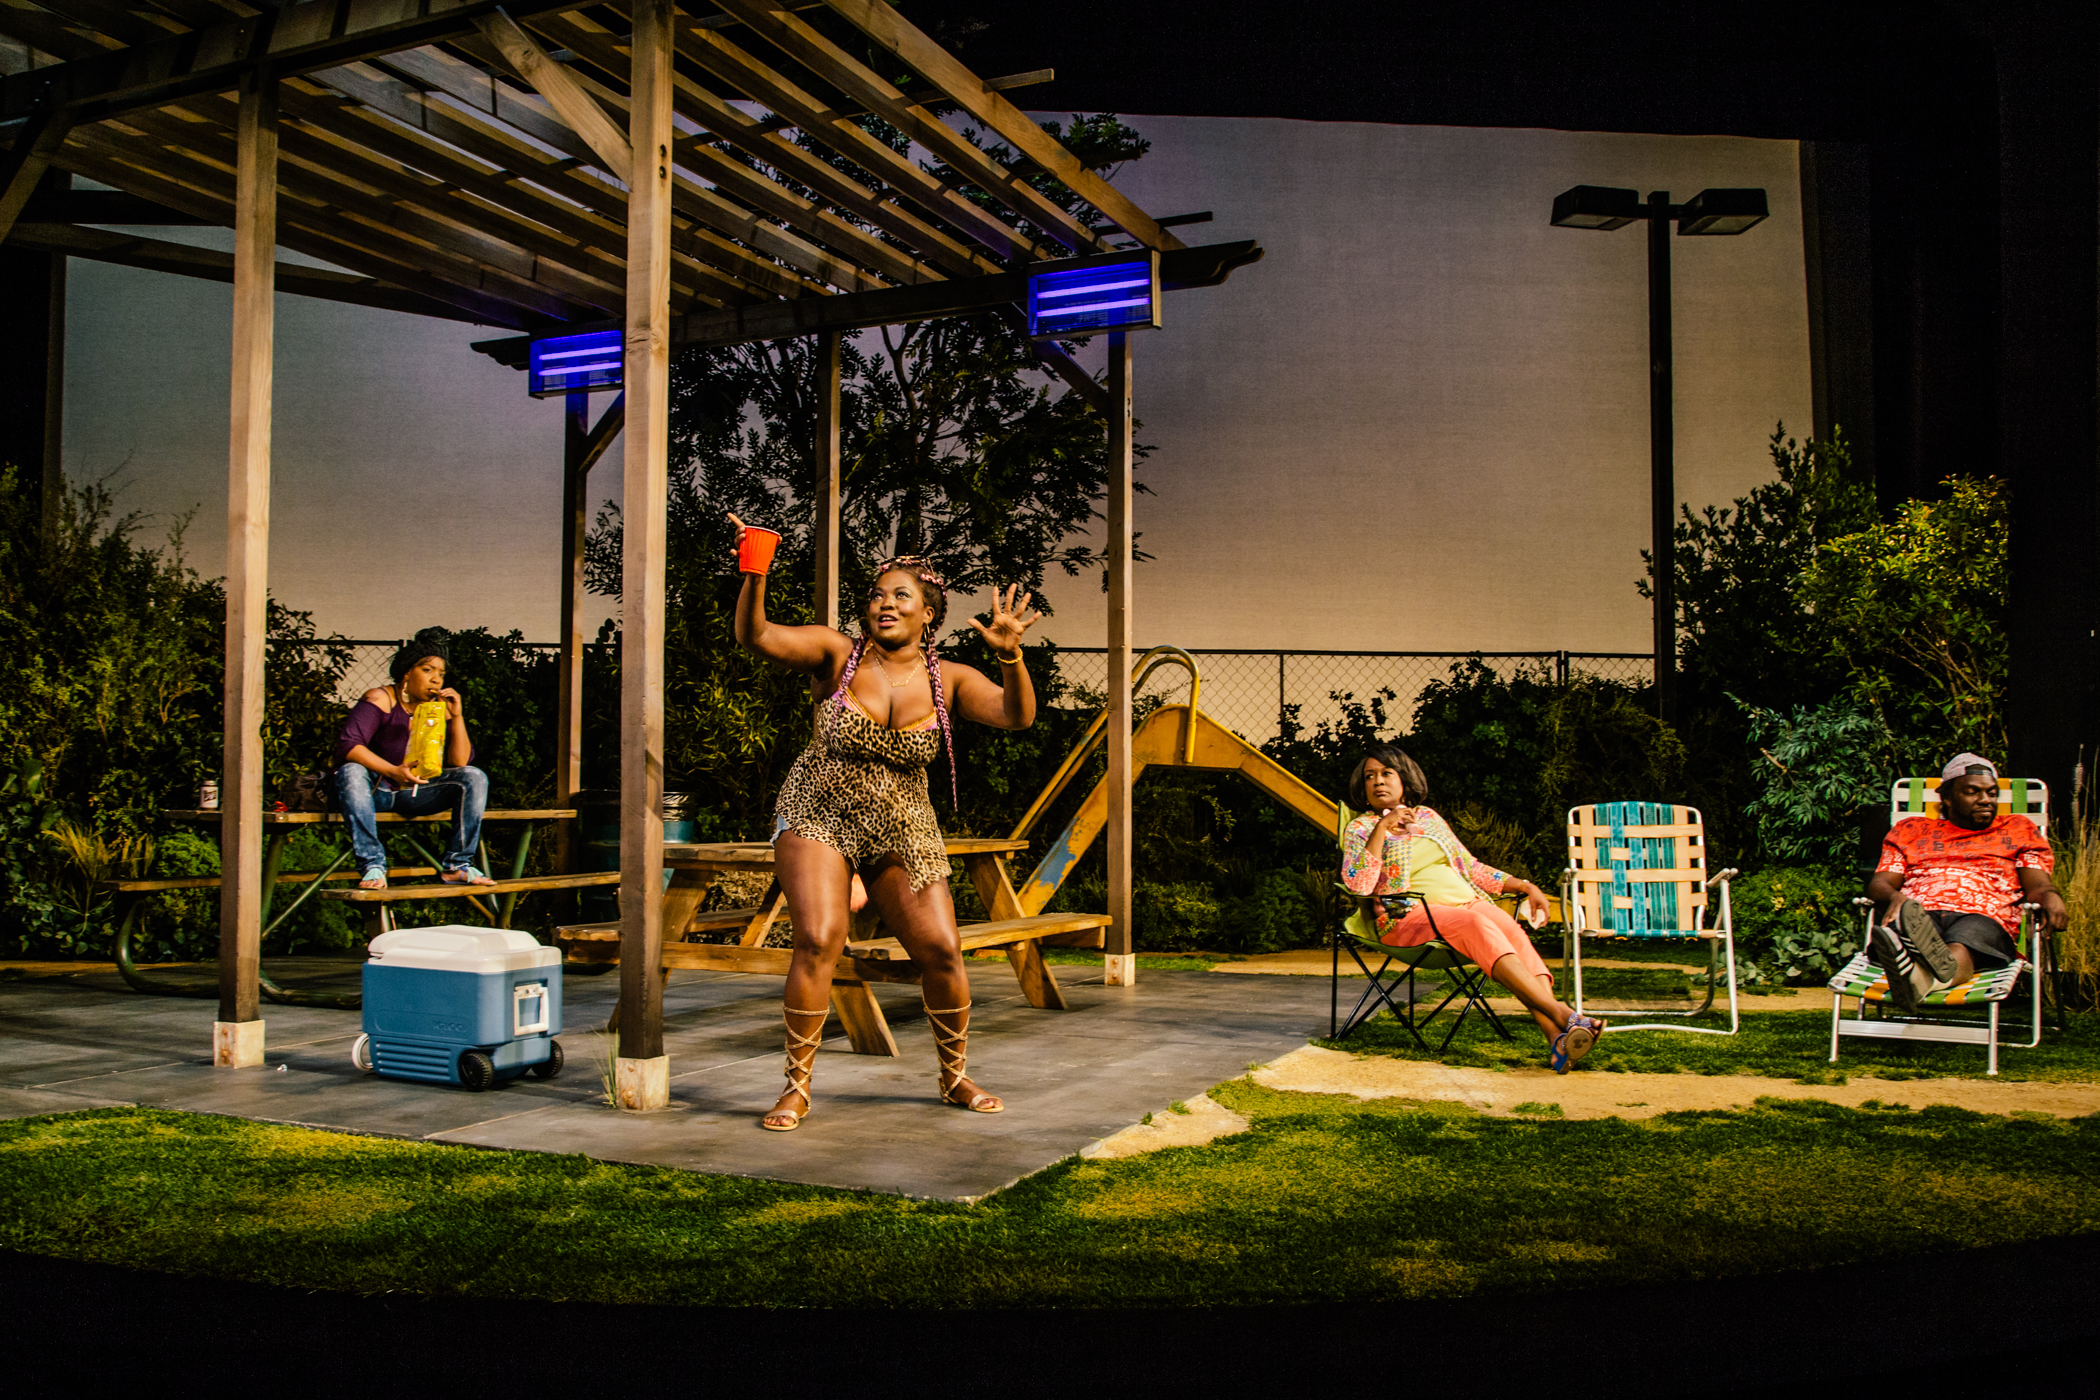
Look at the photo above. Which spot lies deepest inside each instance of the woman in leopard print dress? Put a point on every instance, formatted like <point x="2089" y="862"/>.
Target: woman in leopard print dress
<point x="856" y="802"/>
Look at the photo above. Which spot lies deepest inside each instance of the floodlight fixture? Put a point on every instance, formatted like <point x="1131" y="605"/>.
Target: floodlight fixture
<point x="1597" y="207"/>
<point x="1722" y="212"/>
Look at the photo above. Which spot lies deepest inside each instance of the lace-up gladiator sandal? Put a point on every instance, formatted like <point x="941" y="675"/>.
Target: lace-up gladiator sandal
<point x="952" y="1045"/>
<point x="801" y="1063"/>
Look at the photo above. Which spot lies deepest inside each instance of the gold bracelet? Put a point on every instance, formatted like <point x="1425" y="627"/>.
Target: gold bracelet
<point x="1013" y="660"/>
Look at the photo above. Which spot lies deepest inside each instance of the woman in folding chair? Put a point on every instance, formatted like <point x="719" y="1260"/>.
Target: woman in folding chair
<point x="1399" y="844"/>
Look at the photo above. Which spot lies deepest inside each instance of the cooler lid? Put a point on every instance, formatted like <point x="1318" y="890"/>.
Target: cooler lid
<point x="459" y="948"/>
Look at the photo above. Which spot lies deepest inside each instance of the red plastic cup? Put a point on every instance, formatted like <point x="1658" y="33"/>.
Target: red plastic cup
<point x="754" y="552"/>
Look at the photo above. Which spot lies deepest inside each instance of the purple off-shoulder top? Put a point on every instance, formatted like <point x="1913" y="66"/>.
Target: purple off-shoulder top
<point x="384" y="732"/>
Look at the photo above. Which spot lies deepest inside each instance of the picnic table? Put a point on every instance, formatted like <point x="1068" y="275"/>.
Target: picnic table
<point x="869" y="956"/>
<point x="497" y="901"/>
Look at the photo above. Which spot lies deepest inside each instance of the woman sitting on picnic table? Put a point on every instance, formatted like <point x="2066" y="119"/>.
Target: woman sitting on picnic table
<point x="373" y="777"/>
<point x="856" y="799"/>
<point x="1400" y="847"/>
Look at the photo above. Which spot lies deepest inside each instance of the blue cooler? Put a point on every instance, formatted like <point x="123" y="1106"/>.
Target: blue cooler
<point x="459" y="1005"/>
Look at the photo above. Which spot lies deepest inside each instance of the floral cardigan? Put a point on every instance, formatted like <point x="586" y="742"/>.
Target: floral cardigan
<point x="1384" y="873"/>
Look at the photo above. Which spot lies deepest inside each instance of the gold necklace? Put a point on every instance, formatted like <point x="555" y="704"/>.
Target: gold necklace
<point x="899" y="685"/>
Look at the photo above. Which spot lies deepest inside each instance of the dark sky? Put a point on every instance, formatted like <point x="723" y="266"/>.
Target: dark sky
<point x="1831" y="71"/>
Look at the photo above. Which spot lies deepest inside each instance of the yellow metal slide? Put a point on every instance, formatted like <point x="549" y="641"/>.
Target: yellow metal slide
<point x="1175" y="735"/>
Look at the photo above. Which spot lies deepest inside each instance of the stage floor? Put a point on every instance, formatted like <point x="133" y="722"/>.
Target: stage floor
<point x="1069" y="1078"/>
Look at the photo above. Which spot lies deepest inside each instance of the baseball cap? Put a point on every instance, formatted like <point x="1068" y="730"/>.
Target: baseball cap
<point x="1969" y="765"/>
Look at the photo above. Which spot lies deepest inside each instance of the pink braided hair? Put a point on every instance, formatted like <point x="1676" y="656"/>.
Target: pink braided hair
<point x="917" y="567"/>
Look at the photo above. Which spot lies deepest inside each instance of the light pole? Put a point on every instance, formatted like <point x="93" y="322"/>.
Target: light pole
<point x="1709" y="212"/>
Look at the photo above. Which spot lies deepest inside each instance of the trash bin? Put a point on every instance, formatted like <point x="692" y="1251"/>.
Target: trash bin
<point x="459" y="1005"/>
<point x="598" y="813"/>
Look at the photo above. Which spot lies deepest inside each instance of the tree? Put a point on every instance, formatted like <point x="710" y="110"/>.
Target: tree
<point x="954" y="444"/>
<point x="1915" y="611"/>
<point x="1745" y="628"/>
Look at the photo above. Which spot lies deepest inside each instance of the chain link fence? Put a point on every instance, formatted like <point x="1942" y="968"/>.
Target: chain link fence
<point x="1247" y="691"/>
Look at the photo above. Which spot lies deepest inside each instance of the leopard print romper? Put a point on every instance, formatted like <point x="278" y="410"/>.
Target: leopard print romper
<point x="860" y="788"/>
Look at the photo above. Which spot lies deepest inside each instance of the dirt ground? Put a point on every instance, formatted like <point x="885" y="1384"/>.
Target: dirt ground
<point x="1313" y="1070"/>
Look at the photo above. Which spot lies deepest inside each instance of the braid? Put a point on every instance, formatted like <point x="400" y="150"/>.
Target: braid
<point x="860" y="645"/>
<point x="940" y="707"/>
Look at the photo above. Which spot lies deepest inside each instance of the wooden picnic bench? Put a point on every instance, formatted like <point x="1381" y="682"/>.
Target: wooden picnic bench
<point x="382" y="918"/>
<point x="869" y="957"/>
<point x="497" y="902"/>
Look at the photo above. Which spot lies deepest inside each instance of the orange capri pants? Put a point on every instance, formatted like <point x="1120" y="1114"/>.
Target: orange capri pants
<point x="1480" y="930"/>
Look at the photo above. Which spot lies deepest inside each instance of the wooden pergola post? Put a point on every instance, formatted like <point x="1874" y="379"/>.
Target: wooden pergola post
<point x="582" y="445"/>
<point x="237" y="1035"/>
<point x="642" y="1072"/>
<point x="1119" y="957"/>
<point x="827" y="454"/>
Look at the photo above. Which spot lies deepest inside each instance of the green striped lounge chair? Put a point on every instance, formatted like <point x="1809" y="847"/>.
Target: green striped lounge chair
<point x="1638" y="870"/>
<point x="1952" y="1015"/>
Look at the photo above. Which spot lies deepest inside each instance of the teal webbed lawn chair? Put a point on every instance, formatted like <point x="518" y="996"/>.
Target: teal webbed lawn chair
<point x="1940" y="1015"/>
<point x="1357" y="930"/>
<point x="1638" y="870"/>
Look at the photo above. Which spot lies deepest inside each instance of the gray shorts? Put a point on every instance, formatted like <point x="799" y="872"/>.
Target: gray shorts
<point x="1985" y="938"/>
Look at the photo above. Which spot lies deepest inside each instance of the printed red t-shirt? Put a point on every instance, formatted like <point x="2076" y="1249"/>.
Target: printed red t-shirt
<point x="1944" y="866"/>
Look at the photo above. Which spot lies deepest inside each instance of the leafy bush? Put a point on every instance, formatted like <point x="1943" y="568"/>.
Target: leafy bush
<point x="1515" y="754"/>
<point x="1795" y="924"/>
<point x="1824" y="771"/>
<point x="1280" y="913"/>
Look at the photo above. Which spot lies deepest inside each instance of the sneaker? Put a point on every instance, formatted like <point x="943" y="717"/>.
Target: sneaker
<point x="1922" y="933"/>
<point x="1907" y="981"/>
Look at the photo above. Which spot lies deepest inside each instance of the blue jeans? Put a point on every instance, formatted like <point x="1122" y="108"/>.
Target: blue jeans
<point x="363" y="794"/>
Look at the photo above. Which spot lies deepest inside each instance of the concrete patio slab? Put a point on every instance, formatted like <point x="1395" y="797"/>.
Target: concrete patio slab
<point x="1069" y="1078"/>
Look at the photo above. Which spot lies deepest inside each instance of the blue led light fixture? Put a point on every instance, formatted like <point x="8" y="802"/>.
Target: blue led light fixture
<point x="571" y="364"/>
<point x="1080" y="297"/>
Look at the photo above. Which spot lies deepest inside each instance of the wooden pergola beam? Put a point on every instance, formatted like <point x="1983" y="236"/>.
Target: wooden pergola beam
<point x="939" y="253"/>
<point x="930" y="61"/>
<point x="568" y="99"/>
<point x="739" y="70"/>
<point x="300" y="38"/>
<point x="793" y="36"/>
<point x="24" y="163"/>
<point x="158" y="255"/>
<point x="199" y="190"/>
<point x="1205" y="266"/>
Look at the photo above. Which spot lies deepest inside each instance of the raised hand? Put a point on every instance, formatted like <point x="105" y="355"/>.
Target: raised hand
<point x="1003" y="635"/>
<point x="738" y="542"/>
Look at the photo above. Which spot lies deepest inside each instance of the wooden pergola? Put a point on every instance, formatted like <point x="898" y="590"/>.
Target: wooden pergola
<point x="552" y="168"/>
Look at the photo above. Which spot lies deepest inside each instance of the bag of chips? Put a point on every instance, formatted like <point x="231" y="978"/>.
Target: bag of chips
<point x="426" y="740"/>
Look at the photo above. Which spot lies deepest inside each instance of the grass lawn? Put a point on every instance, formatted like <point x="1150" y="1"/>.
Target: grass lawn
<point x="1323" y="1198"/>
<point x="1781" y="1044"/>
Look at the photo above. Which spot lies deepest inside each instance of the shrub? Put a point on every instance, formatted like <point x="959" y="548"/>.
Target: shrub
<point x="1824" y="770"/>
<point x="1280" y="913"/>
<point x="1795" y="924"/>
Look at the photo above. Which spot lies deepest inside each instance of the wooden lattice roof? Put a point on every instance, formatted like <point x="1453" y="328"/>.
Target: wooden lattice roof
<point x="467" y="160"/>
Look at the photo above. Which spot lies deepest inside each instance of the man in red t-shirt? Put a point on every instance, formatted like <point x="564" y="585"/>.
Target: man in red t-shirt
<point x="1948" y="891"/>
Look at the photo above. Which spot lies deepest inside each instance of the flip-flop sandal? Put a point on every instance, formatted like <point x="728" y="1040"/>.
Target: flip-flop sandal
<point x="466" y="876"/>
<point x="1558" y="1060"/>
<point x="1581" y="1035"/>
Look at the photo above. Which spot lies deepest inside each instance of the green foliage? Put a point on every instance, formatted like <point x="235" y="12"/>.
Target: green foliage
<point x="953" y="445"/>
<point x="1916" y="612"/>
<point x="1513" y="755"/>
<point x="1794" y="924"/>
<point x="26" y="814"/>
<point x="1745" y="628"/>
<point x="181" y="925"/>
<point x="1824" y="772"/>
<point x="509" y="699"/>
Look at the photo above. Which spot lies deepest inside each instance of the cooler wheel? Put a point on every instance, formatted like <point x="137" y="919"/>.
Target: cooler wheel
<point x="361" y="1053"/>
<point x="476" y="1070"/>
<point x="551" y="1066"/>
